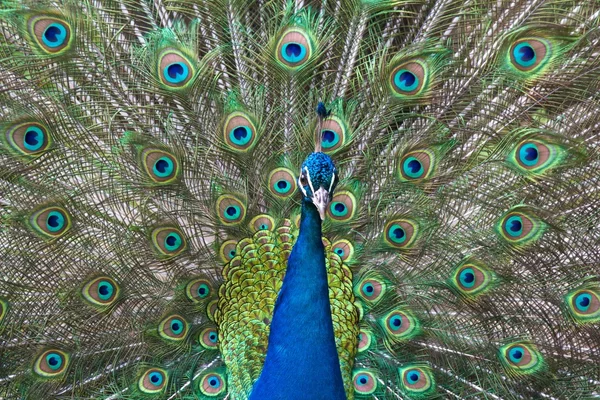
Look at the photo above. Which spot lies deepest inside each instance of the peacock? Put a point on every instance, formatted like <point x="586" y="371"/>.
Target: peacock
<point x="299" y="199"/>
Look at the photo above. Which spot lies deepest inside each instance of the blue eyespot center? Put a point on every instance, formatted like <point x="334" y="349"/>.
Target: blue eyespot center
<point x="514" y="226"/>
<point x="231" y="211"/>
<point x="176" y="326"/>
<point x="524" y="55"/>
<point x="283" y="184"/>
<point x="413" y="168"/>
<point x="339" y="252"/>
<point x="213" y="337"/>
<point x="34" y="138"/>
<point x="214" y="382"/>
<point x="54" y="35"/>
<point x="329" y="138"/>
<point x="516" y="354"/>
<point x="467" y="278"/>
<point x="413" y="377"/>
<point x="363" y="380"/>
<point x="173" y="241"/>
<point x="232" y="253"/>
<point x="176" y="72"/>
<point x="54" y="361"/>
<point x="293" y="52"/>
<point x="398" y="233"/>
<point x="55" y="221"/>
<point x="395" y="322"/>
<point x="583" y="301"/>
<point x="406" y="81"/>
<point x="156" y="378"/>
<point x="529" y="154"/>
<point x="105" y="290"/>
<point x="163" y="167"/>
<point x="203" y="290"/>
<point x="240" y="135"/>
<point x="369" y="288"/>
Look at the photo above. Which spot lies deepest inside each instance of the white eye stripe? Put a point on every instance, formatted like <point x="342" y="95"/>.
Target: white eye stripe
<point x="332" y="180"/>
<point x="309" y="181"/>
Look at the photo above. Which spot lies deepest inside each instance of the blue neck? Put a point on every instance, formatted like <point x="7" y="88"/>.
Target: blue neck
<point x="302" y="360"/>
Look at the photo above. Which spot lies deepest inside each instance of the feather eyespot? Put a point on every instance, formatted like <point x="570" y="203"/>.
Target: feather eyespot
<point x="102" y="291"/>
<point x="51" y="222"/>
<point x="230" y="210"/>
<point x="528" y="54"/>
<point x="161" y="167"/>
<point x="344" y="249"/>
<point x="29" y="138"/>
<point x="342" y="207"/>
<point x="416" y="165"/>
<point x="153" y="381"/>
<point x="584" y="304"/>
<point x="52" y="363"/>
<point x="365" y="338"/>
<point x="168" y="241"/>
<point x="228" y="250"/>
<point x="365" y="382"/>
<point x="371" y="290"/>
<point x="521" y="358"/>
<point x="401" y="233"/>
<point x="209" y="338"/>
<point x="212" y="384"/>
<point x="400" y="325"/>
<point x="282" y="183"/>
<point x="417" y="380"/>
<point x="175" y="69"/>
<point x="198" y="289"/>
<point x="519" y="228"/>
<point x="470" y="279"/>
<point x="333" y="135"/>
<point x="408" y="79"/>
<point x="239" y="132"/>
<point x="294" y="48"/>
<point x="173" y="328"/>
<point x="536" y="156"/>
<point x="262" y="222"/>
<point x="52" y="35"/>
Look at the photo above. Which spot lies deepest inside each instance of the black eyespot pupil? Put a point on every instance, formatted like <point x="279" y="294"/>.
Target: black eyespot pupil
<point x="154" y="378"/>
<point x="31" y="138"/>
<point x="230" y="211"/>
<point x="339" y="251"/>
<point x="52" y="34"/>
<point x="414" y="166"/>
<point x="175" y="326"/>
<point x="53" y="221"/>
<point x="515" y="225"/>
<point x="413" y="377"/>
<point x="328" y="136"/>
<point x="469" y="277"/>
<point x="232" y="253"/>
<point x="293" y="49"/>
<point x="213" y="382"/>
<point x="527" y="53"/>
<point x="282" y="184"/>
<point x="161" y="166"/>
<point x="53" y="361"/>
<point x="584" y="301"/>
<point x="398" y="233"/>
<point x="103" y="290"/>
<point x="263" y="226"/>
<point x="363" y="380"/>
<point x="212" y="337"/>
<point x="369" y="289"/>
<point x="408" y="78"/>
<point x="240" y="133"/>
<point x="171" y="240"/>
<point x="397" y="322"/>
<point x="202" y="290"/>
<point x="532" y="154"/>
<point x="339" y="207"/>
<point x="174" y="70"/>
<point x="518" y="354"/>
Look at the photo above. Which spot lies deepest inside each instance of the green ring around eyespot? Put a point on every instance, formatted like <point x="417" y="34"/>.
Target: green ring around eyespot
<point x="61" y="37"/>
<point x="509" y="222"/>
<point x="517" y="56"/>
<point x="180" y="77"/>
<point x="393" y="238"/>
<point x="243" y="141"/>
<point x="110" y="290"/>
<point x="400" y="84"/>
<point x="60" y="219"/>
<point x="293" y="59"/>
<point x="40" y="137"/>
<point x="168" y="171"/>
<point x="408" y="171"/>
<point x="176" y="245"/>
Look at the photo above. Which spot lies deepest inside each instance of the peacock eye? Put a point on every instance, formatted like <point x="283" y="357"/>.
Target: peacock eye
<point x="401" y="233"/>
<point x="365" y="382"/>
<point x="282" y="183"/>
<point x="29" y="138"/>
<point x="175" y="69"/>
<point x="262" y="222"/>
<point x="153" y="381"/>
<point x="371" y="290"/>
<point x="342" y="207"/>
<point x="231" y="211"/>
<point x="294" y="48"/>
<point x="417" y="380"/>
<point x="160" y="166"/>
<point x="168" y="241"/>
<point x="101" y="291"/>
<point x="365" y="339"/>
<point x="584" y="304"/>
<point x="209" y="338"/>
<point x="212" y="384"/>
<point x="173" y="328"/>
<point x="521" y="358"/>
<point x="51" y="34"/>
<point x="227" y="250"/>
<point x="528" y="54"/>
<point x="408" y="79"/>
<point x="400" y="325"/>
<point x="471" y="279"/>
<point x="239" y="132"/>
<point x="333" y="134"/>
<point x="198" y="289"/>
<point x="51" y="363"/>
<point x="416" y="165"/>
<point x="52" y="222"/>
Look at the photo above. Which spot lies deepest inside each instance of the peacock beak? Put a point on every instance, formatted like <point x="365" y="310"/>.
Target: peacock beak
<point x="321" y="199"/>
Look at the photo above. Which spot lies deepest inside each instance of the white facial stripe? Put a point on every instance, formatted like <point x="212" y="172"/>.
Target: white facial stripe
<point x="309" y="182"/>
<point x="331" y="184"/>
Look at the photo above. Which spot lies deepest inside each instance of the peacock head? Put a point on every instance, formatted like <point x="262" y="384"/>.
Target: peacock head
<point x="317" y="181"/>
